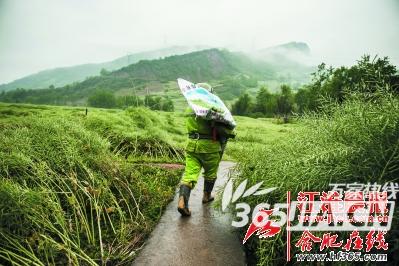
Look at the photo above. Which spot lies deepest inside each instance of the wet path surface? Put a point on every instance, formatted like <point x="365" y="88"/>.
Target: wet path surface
<point x="205" y="238"/>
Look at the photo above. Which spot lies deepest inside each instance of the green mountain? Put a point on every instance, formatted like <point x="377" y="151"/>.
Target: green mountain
<point x="230" y="73"/>
<point x="65" y="75"/>
<point x="211" y="64"/>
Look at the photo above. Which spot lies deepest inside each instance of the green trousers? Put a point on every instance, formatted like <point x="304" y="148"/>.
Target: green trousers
<point x="195" y="162"/>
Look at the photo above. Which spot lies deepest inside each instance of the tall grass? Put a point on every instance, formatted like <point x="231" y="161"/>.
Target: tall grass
<point x="354" y="142"/>
<point x="67" y="197"/>
<point x="140" y="133"/>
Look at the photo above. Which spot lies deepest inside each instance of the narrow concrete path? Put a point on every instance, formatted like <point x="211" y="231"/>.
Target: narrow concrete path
<point x="205" y="238"/>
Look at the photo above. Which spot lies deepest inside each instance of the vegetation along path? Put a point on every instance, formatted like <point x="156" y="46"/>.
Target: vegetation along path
<point x="205" y="238"/>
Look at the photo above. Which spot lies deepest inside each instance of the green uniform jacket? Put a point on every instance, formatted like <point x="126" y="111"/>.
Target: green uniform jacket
<point x="198" y="125"/>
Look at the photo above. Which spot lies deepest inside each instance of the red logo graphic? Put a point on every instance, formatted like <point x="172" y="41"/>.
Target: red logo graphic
<point x="262" y="225"/>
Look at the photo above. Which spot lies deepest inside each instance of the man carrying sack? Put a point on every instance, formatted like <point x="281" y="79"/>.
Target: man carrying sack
<point x="205" y="145"/>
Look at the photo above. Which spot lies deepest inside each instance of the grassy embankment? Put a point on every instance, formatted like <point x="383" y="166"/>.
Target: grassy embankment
<point x="84" y="189"/>
<point x="67" y="193"/>
<point x="354" y="142"/>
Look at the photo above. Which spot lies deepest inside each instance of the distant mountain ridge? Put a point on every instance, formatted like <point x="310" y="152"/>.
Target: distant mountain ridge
<point x="298" y="47"/>
<point x="65" y="75"/>
<point x="231" y="72"/>
<point x="219" y="66"/>
<point x="283" y="56"/>
<point x="204" y="65"/>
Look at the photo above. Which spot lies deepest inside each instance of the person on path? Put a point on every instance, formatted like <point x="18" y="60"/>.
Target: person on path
<point x="204" y="149"/>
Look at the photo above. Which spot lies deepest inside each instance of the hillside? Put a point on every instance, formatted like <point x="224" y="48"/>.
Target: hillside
<point x="65" y="75"/>
<point x="212" y="64"/>
<point x="231" y="72"/>
<point x="152" y="75"/>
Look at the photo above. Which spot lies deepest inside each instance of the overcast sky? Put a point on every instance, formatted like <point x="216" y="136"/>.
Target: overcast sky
<point x="40" y="34"/>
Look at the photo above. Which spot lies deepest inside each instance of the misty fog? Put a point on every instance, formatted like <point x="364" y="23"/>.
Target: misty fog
<point x="42" y="34"/>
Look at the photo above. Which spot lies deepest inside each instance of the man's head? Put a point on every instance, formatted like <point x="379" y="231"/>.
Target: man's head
<point x="205" y="86"/>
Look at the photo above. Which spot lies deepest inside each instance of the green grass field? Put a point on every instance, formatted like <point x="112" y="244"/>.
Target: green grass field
<point x="86" y="189"/>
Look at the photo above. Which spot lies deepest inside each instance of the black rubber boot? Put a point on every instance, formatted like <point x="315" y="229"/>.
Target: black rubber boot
<point x="208" y="187"/>
<point x="184" y="196"/>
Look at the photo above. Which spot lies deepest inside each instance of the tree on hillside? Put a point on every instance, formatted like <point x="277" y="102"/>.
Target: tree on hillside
<point x="285" y="102"/>
<point x="104" y="72"/>
<point x="265" y="102"/>
<point x="302" y="100"/>
<point x="329" y="84"/>
<point x="102" y="99"/>
<point x="369" y="74"/>
<point x="152" y="102"/>
<point x="243" y="105"/>
<point x="158" y="103"/>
